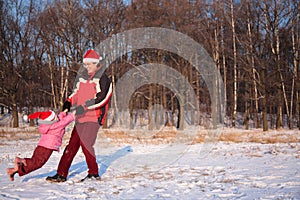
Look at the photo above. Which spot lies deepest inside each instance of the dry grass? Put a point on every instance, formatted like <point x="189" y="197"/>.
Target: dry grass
<point x="5" y="130"/>
<point x="169" y="136"/>
<point x="268" y="137"/>
<point x="140" y="136"/>
<point x="24" y="133"/>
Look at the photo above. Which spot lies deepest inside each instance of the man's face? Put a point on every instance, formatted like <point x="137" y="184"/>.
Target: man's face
<point x="91" y="67"/>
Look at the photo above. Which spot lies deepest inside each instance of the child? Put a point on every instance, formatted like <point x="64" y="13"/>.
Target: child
<point x="52" y="129"/>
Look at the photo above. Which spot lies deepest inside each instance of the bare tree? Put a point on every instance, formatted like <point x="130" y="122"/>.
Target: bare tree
<point x="252" y="65"/>
<point x="235" y="81"/>
<point x="255" y="45"/>
<point x="16" y="40"/>
<point x="294" y="12"/>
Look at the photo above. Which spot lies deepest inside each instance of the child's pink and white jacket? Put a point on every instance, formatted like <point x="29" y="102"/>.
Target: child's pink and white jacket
<point x="52" y="134"/>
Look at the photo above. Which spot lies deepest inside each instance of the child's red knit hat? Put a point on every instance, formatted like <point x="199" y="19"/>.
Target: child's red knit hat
<point x="46" y="116"/>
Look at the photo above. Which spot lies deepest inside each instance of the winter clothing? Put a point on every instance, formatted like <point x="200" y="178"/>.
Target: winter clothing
<point x="39" y="158"/>
<point x="91" y="56"/>
<point x="93" y="93"/>
<point x="79" y="110"/>
<point x="91" y="177"/>
<point x="91" y="96"/>
<point x="67" y="105"/>
<point x="84" y="135"/>
<point x="51" y="140"/>
<point x="52" y="134"/>
<point x="47" y="117"/>
<point x="56" y="178"/>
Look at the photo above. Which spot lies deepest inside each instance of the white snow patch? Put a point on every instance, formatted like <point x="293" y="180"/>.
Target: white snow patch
<point x="139" y="171"/>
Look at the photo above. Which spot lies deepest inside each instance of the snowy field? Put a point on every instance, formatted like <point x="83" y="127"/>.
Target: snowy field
<point x="218" y="170"/>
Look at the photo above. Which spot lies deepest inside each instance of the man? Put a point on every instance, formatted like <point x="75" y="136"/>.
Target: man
<point x="91" y="95"/>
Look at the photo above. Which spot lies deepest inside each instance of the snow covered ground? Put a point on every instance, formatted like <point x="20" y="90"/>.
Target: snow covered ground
<point x="219" y="170"/>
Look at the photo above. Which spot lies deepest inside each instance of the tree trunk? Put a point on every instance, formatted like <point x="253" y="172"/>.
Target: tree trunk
<point x="2" y="110"/>
<point x="279" y="109"/>
<point x="150" y="120"/>
<point x="247" y="107"/>
<point x="264" y="101"/>
<point x="192" y="109"/>
<point x="234" y="64"/>
<point x="197" y="79"/>
<point x="280" y="88"/>
<point x="298" y="108"/>
<point x="15" y="115"/>
<point x="252" y="63"/>
<point x="224" y="64"/>
<point x="183" y="99"/>
<point x="51" y="80"/>
<point x="31" y="122"/>
<point x="62" y="65"/>
<point x="131" y="103"/>
<point x="295" y="43"/>
<point x="165" y="106"/>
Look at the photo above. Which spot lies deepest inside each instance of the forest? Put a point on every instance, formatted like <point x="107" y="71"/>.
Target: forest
<point x="254" y="45"/>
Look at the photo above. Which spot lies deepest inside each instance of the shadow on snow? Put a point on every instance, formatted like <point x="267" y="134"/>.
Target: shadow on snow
<point x="104" y="163"/>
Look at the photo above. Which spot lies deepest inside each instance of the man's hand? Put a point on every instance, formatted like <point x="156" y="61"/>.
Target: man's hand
<point x="67" y="105"/>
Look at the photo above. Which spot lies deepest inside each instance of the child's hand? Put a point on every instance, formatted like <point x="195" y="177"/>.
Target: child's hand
<point x="66" y="110"/>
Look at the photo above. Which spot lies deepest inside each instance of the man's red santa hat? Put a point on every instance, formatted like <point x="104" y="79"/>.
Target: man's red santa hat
<point x="91" y="56"/>
<point x="44" y="117"/>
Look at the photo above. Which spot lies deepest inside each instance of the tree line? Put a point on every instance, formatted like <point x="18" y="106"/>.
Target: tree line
<point x="254" y="44"/>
